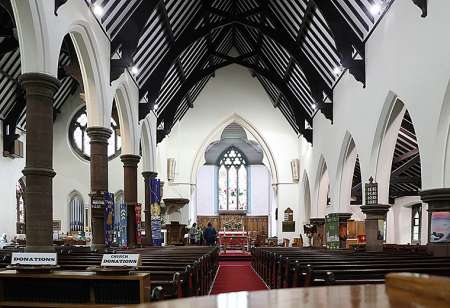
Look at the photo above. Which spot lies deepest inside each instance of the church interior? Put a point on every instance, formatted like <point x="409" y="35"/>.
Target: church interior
<point x="181" y="153"/>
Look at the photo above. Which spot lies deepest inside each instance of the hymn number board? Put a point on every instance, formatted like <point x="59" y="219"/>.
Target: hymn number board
<point x="371" y="192"/>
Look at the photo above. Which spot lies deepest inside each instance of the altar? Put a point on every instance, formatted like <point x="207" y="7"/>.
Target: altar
<point x="234" y="238"/>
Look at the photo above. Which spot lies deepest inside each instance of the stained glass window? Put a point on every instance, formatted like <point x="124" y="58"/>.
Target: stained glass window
<point x="232" y="181"/>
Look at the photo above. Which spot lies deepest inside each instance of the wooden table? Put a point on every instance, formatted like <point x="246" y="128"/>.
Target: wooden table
<point x="409" y="295"/>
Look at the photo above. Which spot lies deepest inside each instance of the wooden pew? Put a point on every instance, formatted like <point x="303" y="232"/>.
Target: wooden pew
<point x="291" y="267"/>
<point x="174" y="271"/>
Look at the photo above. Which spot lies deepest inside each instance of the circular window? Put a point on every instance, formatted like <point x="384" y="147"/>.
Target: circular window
<point x="79" y="139"/>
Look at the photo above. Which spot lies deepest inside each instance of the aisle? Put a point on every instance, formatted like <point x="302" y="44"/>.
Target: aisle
<point x="234" y="276"/>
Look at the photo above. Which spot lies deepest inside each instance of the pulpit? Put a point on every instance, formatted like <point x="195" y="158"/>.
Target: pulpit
<point x="175" y="233"/>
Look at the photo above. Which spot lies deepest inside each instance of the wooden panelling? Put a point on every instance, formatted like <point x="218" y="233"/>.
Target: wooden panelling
<point x="251" y="223"/>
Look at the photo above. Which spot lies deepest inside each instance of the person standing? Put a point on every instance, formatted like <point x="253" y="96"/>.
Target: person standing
<point x="210" y="235"/>
<point x="193" y="234"/>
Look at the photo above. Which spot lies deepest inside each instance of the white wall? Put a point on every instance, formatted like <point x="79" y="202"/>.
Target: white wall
<point x="232" y="95"/>
<point x="260" y="187"/>
<point x="407" y="58"/>
<point x="10" y="173"/>
<point x="205" y="193"/>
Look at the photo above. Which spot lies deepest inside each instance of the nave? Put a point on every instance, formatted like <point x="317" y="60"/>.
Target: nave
<point x="224" y="153"/>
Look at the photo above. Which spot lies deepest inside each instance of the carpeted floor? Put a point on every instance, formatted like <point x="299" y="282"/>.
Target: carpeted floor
<point x="236" y="276"/>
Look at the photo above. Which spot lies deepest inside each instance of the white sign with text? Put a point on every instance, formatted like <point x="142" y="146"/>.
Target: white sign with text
<point x="34" y="258"/>
<point x="131" y="260"/>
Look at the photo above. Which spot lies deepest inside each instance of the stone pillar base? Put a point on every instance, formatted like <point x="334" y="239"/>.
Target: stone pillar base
<point x="374" y="213"/>
<point x="438" y="200"/>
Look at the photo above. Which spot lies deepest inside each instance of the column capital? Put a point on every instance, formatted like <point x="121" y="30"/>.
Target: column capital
<point x="99" y="134"/>
<point x="375" y="211"/>
<point x="130" y="160"/>
<point x="39" y="84"/>
<point x="149" y="174"/>
<point x="435" y="195"/>
<point x="39" y="171"/>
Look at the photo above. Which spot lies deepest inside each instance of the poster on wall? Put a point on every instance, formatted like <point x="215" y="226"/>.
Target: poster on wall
<point x="440" y="227"/>
<point x="97" y="201"/>
<point x="155" y="199"/>
<point x="332" y="231"/>
<point x="137" y="209"/>
<point x="122" y="236"/>
<point x="109" y="218"/>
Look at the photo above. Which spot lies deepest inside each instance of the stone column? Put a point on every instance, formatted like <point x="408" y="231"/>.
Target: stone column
<point x="148" y="175"/>
<point x="130" y="163"/>
<point x="39" y="90"/>
<point x="374" y="213"/>
<point x="99" y="179"/>
<point x="438" y="200"/>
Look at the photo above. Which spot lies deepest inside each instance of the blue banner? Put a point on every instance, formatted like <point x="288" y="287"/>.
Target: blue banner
<point x="155" y="198"/>
<point x="109" y="218"/>
<point x="122" y="236"/>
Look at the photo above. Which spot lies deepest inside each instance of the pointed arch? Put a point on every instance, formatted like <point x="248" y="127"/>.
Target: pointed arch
<point x="441" y="165"/>
<point x="95" y="84"/>
<point x="199" y="156"/>
<point x="148" y="142"/>
<point x="33" y="45"/>
<point x="384" y="143"/>
<point x="126" y="98"/>
<point x="347" y="164"/>
<point x="306" y="198"/>
<point x="322" y="189"/>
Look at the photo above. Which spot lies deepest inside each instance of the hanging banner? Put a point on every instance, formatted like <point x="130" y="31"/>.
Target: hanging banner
<point x="137" y="209"/>
<point x="155" y="199"/>
<point x="122" y="238"/>
<point x="332" y="231"/>
<point x="109" y="218"/>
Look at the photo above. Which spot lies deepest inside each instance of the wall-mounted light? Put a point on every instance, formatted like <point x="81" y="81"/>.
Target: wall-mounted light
<point x="337" y="70"/>
<point x="98" y="10"/>
<point x="314" y="106"/>
<point x="375" y="9"/>
<point x="135" y="70"/>
<point x="171" y="169"/>
<point x="295" y="169"/>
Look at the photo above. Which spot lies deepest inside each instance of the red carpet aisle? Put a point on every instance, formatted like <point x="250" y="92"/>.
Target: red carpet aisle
<point x="236" y="276"/>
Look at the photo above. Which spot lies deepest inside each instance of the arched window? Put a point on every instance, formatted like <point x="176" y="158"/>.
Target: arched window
<point x="20" y="207"/>
<point x="79" y="140"/>
<point x="232" y="180"/>
<point x="416" y="223"/>
<point x="76" y="212"/>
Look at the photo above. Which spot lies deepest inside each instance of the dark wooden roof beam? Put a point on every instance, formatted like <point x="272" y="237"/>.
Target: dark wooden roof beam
<point x="345" y="39"/>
